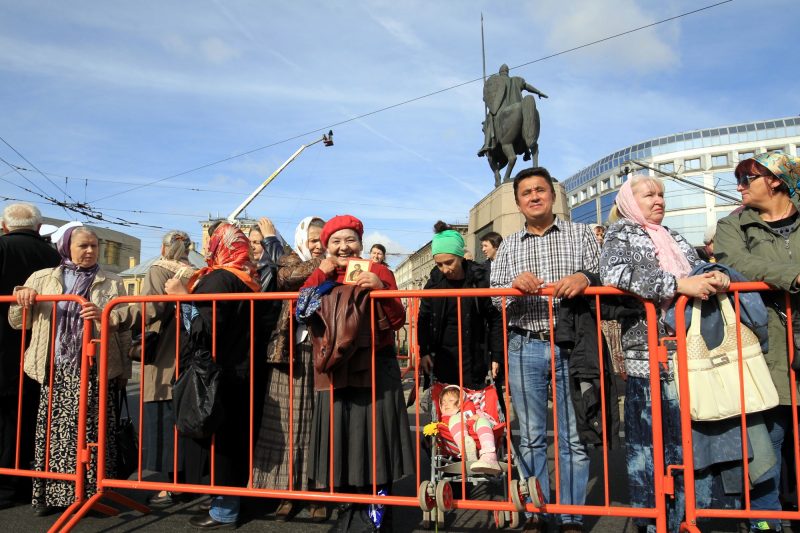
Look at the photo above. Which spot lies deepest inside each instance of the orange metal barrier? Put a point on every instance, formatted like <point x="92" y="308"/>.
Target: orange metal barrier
<point x="515" y="489"/>
<point x="83" y="450"/>
<point x="693" y="512"/>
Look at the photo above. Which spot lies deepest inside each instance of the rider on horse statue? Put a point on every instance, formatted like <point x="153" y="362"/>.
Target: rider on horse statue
<point x="512" y="122"/>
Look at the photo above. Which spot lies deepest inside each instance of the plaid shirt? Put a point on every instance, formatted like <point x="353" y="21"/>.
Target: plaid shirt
<point x="564" y="249"/>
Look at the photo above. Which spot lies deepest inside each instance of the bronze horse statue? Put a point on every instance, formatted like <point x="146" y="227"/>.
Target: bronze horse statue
<point x="512" y="123"/>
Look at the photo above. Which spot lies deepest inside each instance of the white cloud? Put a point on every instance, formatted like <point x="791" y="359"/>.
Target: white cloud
<point x="575" y="23"/>
<point x="217" y="51"/>
<point x="399" y="31"/>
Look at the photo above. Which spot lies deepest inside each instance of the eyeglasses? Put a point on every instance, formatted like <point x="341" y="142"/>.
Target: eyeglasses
<point x="745" y="181"/>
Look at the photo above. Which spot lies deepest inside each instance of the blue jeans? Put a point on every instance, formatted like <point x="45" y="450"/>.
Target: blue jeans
<point x="765" y="495"/>
<point x="528" y="377"/>
<point x="225" y="509"/>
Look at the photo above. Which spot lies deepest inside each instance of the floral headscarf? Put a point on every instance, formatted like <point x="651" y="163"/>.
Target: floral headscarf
<point x="229" y="249"/>
<point x="784" y="167"/>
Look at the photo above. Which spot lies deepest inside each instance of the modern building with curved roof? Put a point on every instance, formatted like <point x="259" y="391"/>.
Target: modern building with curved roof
<point x="704" y="158"/>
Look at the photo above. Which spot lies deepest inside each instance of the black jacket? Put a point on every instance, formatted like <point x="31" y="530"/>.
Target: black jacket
<point x="481" y="329"/>
<point x="576" y="337"/>
<point x="22" y="253"/>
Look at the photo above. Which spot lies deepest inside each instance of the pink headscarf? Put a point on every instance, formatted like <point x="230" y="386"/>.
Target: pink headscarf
<point x="669" y="254"/>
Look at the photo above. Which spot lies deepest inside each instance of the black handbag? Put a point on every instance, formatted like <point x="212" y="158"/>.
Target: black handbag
<point x="151" y="339"/>
<point x="195" y="397"/>
<point x="127" y="440"/>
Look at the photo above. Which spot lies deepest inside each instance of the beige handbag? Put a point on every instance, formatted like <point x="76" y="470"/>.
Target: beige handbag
<point x="714" y="374"/>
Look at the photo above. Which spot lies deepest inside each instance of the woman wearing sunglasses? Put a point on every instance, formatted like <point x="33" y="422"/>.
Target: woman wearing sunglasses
<point x="762" y="241"/>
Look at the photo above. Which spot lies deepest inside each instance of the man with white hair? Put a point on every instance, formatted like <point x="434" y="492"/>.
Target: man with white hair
<point x="22" y="252"/>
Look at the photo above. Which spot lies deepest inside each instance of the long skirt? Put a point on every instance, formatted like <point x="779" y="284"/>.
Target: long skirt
<point x="352" y="432"/>
<point x="271" y="456"/>
<point x="63" y="437"/>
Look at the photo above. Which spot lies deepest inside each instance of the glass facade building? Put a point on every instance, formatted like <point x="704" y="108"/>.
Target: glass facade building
<point x="706" y="157"/>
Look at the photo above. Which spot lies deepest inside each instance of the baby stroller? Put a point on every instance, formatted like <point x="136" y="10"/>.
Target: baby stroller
<point x="436" y="494"/>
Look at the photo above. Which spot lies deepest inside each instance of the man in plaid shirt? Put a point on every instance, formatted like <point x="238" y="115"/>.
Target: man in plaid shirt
<point x="547" y="252"/>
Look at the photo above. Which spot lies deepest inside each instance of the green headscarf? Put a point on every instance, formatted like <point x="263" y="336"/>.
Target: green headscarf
<point x="448" y="242"/>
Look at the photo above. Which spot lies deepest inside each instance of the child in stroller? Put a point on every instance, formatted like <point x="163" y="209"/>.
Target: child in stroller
<point x="479" y="424"/>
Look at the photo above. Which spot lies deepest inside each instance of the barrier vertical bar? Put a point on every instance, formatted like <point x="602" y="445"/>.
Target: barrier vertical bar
<point x="175" y="436"/>
<point x="603" y="406"/>
<point x="50" y="389"/>
<point x="655" y="398"/>
<point x="375" y="340"/>
<point x="743" y="414"/>
<point x="792" y="354"/>
<point x="464" y="435"/>
<point x="506" y="397"/>
<point x="290" y="443"/>
<point x="214" y="358"/>
<point x="252" y="377"/>
<point x="554" y="381"/>
<point x="141" y="396"/>
<point x="21" y="383"/>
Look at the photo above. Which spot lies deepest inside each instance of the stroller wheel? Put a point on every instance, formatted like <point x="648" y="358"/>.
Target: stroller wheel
<point x="499" y="519"/>
<point x="427" y="498"/>
<point x="444" y="496"/>
<point x="535" y="492"/>
<point x="517" y="497"/>
<point x="513" y="521"/>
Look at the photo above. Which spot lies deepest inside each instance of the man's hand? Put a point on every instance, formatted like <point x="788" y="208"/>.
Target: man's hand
<point x="91" y="312"/>
<point x="495" y="369"/>
<point x="527" y="282"/>
<point x="570" y="286"/>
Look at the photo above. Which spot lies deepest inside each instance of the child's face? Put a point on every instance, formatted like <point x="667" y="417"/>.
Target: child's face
<point x="449" y="404"/>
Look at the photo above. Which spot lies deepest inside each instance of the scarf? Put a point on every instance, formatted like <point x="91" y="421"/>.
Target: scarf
<point x="69" y="324"/>
<point x="669" y="255"/>
<point x="229" y="249"/>
<point x="301" y="239"/>
<point x="448" y="242"/>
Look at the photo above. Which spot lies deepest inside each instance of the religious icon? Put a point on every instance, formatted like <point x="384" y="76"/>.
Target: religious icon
<point x="354" y="268"/>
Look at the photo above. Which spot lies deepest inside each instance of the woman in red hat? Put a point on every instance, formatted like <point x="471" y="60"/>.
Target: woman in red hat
<point x="352" y="404"/>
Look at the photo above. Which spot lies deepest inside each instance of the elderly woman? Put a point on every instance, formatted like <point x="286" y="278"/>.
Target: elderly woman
<point x="641" y="256"/>
<point x="762" y="242"/>
<point x="481" y="322"/>
<point x="159" y="421"/>
<point x="78" y="274"/>
<point x="229" y="270"/>
<point x="352" y="401"/>
<point x="271" y="458"/>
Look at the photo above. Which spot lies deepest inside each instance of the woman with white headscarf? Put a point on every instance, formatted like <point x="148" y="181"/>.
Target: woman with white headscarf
<point x="271" y="461"/>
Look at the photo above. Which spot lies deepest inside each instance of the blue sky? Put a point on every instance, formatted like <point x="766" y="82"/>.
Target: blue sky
<point x="121" y="94"/>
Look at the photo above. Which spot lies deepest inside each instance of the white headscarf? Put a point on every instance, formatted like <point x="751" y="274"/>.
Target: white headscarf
<point x="301" y="238"/>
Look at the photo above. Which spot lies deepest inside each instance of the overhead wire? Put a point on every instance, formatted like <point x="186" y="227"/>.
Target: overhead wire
<point x="53" y="183"/>
<point x="411" y="100"/>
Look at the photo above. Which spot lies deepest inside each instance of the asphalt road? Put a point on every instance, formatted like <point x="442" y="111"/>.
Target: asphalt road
<point x="256" y="514"/>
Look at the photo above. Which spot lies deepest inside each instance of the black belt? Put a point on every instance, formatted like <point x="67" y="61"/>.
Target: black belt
<point x="529" y="335"/>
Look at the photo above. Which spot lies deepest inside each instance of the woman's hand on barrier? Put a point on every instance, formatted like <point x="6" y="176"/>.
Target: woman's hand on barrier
<point x="426" y="364"/>
<point x="720" y="280"/>
<point x="91" y="312"/>
<point x="369" y="280"/>
<point x="699" y="286"/>
<point x="25" y="296"/>
<point x="175" y="286"/>
<point x="527" y="282"/>
<point x="495" y="369"/>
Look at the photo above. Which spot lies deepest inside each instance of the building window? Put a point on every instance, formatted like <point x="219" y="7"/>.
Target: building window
<point x="574" y="199"/>
<point x="745" y="155"/>
<point x="667" y="167"/>
<point x="605" y="184"/>
<point x="692" y="164"/>
<point x="593" y="190"/>
<point x="583" y="195"/>
<point x="719" y="160"/>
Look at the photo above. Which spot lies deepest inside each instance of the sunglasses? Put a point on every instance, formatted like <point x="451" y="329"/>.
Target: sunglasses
<point x="745" y="181"/>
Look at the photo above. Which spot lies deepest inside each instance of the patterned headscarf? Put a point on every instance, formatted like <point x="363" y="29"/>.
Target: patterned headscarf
<point x="784" y="167"/>
<point x="229" y="249"/>
<point x="69" y="324"/>
<point x="669" y="255"/>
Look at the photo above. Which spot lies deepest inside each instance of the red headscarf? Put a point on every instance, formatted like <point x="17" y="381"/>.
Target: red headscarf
<point x="340" y="222"/>
<point x="229" y="249"/>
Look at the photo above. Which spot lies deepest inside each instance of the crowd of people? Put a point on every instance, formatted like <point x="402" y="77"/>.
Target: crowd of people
<point x="318" y="369"/>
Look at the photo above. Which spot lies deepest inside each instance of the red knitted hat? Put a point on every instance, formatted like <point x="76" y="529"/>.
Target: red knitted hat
<point x="340" y="222"/>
